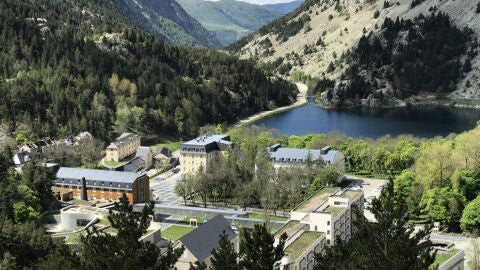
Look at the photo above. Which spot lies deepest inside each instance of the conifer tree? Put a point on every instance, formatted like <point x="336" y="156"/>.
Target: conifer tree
<point x="224" y="257"/>
<point x="257" y="250"/>
<point x="100" y="250"/>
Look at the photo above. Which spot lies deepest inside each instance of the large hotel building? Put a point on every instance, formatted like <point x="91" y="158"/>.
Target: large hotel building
<point x="199" y="152"/>
<point x="103" y="184"/>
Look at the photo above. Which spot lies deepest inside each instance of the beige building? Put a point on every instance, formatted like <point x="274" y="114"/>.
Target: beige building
<point x="124" y="146"/>
<point x="199" y="243"/>
<point x="330" y="211"/>
<point x="197" y="153"/>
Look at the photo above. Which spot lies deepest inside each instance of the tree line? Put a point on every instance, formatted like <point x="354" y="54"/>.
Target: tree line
<point x="66" y="70"/>
<point x="245" y="176"/>
<point x="439" y="177"/>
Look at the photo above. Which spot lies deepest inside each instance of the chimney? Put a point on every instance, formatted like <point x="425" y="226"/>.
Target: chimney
<point x="274" y="147"/>
<point x="84" y="189"/>
<point x="324" y="150"/>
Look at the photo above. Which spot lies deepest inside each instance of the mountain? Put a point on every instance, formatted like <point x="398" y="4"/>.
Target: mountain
<point x="229" y="20"/>
<point x="80" y="65"/>
<point x="319" y="41"/>
<point x="168" y="20"/>
<point x="285" y="8"/>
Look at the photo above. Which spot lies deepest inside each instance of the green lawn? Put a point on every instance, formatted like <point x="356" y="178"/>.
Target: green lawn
<point x="73" y="238"/>
<point x="170" y="144"/>
<point x="272" y="218"/>
<point x="174" y="232"/>
<point x="114" y="163"/>
<point x="442" y="257"/>
<point x="301" y="244"/>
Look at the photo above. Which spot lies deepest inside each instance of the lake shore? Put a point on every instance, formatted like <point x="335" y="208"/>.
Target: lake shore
<point x="301" y="100"/>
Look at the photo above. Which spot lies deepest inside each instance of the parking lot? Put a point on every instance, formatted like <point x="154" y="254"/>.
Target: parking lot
<point x="371" y="188"/>
<point x="163" y="187"/>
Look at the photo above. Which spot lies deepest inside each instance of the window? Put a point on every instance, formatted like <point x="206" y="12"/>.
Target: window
<point x="316" y="229"/>
<point x="328" y="232"/>
<point x="328" y="241"/>
<point x="328" y="223"/>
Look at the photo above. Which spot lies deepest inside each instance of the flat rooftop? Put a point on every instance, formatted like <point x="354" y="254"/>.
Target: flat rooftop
<point x="334" y="210"/>
<point x="290" y="228"/>
<point x="352" y="194"/>
<point x="301" y="244"/>
<point x="315" y="201"/>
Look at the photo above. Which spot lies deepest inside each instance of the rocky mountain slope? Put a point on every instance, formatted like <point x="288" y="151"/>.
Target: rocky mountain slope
<point x="229" y="20"/>
<point x="319" y="32"/>
<point x="168" y="20"/>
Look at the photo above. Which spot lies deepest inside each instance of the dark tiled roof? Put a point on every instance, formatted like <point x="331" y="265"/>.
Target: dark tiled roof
<point x="123" y="139"/>
<point x="164" y="151"/>
<point x="21" y="158"/>
<point x="142" y="152"/>
<point x="207" y="143"/>
<point x="201" y="241"/>
<point x="99" y="175"/>
<point x="134" y="165"/>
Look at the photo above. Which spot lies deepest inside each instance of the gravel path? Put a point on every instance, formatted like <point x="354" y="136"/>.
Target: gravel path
<point x="301" y="100"/>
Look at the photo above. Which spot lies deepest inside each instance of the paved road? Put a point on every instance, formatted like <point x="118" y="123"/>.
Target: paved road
<point x="449" y="237"/>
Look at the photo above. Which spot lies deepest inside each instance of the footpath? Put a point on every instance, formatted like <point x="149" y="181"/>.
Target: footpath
<point x="301" y="100"/>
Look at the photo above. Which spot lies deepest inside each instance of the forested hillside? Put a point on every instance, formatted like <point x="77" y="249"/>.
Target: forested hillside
<point x="70" y="66"/>
<point x="167" y="19"/>
<point x="405" y="58"/>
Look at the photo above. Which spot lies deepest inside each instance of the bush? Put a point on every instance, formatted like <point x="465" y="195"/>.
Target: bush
<point x="376" y="14"/>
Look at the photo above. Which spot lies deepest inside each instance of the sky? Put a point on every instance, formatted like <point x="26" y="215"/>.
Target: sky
<point x="263" y="2"/>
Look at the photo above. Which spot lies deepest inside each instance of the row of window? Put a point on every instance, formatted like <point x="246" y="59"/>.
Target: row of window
<point x="89" y="183"/>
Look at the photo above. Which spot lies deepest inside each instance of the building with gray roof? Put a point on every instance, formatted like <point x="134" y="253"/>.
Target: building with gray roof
<point x="103" y="184"/>
<point x="199" y="152"/>
<point x="124" y="146"/>
<point x="200" y="242"/>
<point x="284" y="156"/>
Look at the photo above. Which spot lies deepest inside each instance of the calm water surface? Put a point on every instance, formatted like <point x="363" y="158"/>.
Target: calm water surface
<point x="421" y="121"/>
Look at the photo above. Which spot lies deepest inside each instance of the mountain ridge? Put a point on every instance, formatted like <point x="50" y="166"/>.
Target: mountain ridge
<point x="285" y="7"/>
<point x="229" y="20"/>
<point x="168" y="20"/>
<point x="332" y="28"/>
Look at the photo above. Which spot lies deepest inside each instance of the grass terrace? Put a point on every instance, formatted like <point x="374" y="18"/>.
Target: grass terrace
<point x="316" y="200"/>
<point x="353" y="195"/>
<point x="175" y="232"/>
<point x="290" y="228"/>
<point x="442" y="256"/>
<point x="334" y="210"/>
<point x="271" y="218"/>
<point x="301" y="244"/>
